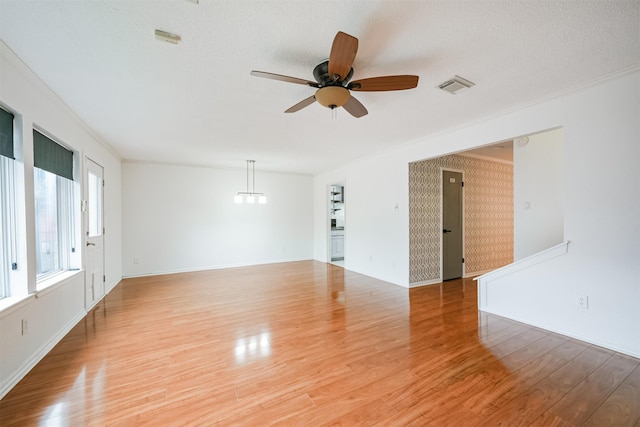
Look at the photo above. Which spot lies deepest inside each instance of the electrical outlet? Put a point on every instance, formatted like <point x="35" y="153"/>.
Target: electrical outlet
<point x="25" y="326"/>
<point x="583" y="302"/>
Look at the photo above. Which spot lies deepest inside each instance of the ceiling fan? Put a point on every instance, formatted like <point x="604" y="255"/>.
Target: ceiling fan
<point x="333" y="80"/>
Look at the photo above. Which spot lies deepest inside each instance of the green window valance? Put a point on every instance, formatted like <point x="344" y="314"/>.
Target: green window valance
<point x="51" y="156"/>
<point x="6" y="134"/>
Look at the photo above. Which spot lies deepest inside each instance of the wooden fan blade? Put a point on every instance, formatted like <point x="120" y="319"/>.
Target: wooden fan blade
<point x="282" y="78"/>
<point x="343" y="52"/>
<point x="355" y="108"/>
<point x="300" y="105"/>
<point x="375" y="84"/>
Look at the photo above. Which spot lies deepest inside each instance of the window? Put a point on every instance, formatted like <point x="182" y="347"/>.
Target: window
<point x="54" y="206"/>
<point x="7" y="203"/>
<point x="7" y="225"/>
<point x="94" y="200"/>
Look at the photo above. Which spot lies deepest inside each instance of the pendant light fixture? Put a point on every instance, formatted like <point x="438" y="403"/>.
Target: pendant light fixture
<point x="250" y="196"/>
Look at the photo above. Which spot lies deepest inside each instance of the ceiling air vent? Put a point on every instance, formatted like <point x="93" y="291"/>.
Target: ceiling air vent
<point x="455" y="85"/>
<point x="167" y="37"/>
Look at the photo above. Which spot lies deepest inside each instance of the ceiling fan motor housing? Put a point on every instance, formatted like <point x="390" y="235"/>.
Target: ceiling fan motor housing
<point x="321" y="74"/>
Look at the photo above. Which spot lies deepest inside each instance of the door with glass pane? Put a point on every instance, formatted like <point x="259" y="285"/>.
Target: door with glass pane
<point x="94" y="233"/>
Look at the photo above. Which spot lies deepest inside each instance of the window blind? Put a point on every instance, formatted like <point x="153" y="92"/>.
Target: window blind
<point x="51" y="156"/>
<point x="6" y="134"/>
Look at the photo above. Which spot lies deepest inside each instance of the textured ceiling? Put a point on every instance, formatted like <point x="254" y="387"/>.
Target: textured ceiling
<point x="195" y="103"/>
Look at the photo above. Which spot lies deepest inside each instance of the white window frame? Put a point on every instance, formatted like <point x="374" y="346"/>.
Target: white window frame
<point x="8" y="226"/>
<point x="66" y="241"/>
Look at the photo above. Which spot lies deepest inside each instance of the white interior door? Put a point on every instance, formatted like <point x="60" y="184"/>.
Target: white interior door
<point x="94" y="233"/>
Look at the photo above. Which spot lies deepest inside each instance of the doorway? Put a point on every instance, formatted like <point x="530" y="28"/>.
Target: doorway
<point x="452" y="232"/>
<point x="336" y="246"/>
<point x="487" y="208"/>
<point x="93" y="208"/>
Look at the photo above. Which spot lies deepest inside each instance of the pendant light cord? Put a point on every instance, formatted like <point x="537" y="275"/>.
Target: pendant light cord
<point x="248" y="175"/>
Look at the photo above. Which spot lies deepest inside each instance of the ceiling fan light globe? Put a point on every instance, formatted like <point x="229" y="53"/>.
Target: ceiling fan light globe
<point x="332" y="96"/>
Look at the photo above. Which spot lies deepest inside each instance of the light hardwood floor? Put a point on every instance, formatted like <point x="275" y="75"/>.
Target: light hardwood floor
<point x="310" y="344"/>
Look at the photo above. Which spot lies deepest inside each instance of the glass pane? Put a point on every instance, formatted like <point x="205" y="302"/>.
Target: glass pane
<point x="4" y="238"/>
<point x="46" y="197"/>
<point x="95" y="205"/>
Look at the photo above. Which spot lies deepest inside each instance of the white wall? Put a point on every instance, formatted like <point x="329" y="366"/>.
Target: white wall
<point x="376" y="233"/>
<point x="601" y="134"/>
<point x="183" y="218"/>
<point x="538" y="198"/>
<point x="57" y="309"/>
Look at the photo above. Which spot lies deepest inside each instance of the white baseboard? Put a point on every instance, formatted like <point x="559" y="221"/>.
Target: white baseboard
<point x="212" y="267"/>
<point x="425" y="283"/>
<point x="560" y="332"/>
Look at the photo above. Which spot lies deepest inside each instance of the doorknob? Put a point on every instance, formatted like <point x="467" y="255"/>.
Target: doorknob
<point x="446" y="231"/>
<point x="90" y="244"/>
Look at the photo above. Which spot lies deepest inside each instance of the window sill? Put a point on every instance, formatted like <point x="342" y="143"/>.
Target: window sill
<point x="46" y="286"/>
<point x="10" y="304"/>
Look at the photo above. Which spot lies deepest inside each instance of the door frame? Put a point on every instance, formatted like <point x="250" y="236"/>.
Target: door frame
<point x="329" y="248"/>
<point x="442" y="169"/>
<point x="85" y="229"/>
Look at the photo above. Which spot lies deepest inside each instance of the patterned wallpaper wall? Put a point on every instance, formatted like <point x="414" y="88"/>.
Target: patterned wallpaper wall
<point x="488" y="215"/>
